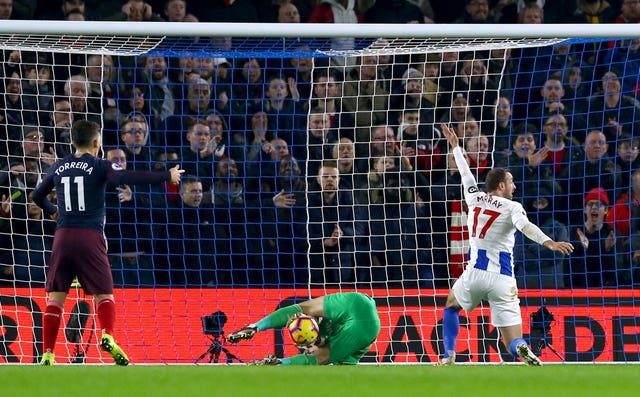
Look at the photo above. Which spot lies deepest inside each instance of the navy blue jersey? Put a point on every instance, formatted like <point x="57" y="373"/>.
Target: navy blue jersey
<point x="80" y="185"/>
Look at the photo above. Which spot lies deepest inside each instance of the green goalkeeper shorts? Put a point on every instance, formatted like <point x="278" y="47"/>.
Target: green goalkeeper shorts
<point x="353" y="326"/>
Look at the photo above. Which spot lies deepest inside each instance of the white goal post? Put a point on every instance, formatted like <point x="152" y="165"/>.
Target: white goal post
<point x="140" y="37"/>
<point x="406" y="31"/>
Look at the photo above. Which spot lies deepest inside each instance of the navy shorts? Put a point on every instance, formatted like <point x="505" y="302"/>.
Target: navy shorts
<point x="80" y="253"/>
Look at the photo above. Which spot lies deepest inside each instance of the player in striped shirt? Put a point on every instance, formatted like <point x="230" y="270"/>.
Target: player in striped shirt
<point x="492" y="222"/>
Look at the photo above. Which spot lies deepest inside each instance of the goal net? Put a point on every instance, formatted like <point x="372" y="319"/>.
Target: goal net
<point x="312" y="168"/>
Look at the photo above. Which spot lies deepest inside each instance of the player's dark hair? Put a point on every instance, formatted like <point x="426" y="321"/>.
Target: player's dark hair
<point x="188" y="180"/>
<point x="328" y="73"/>
<point x="494" y="177"/>
<point x="329" y="164"/>
<point x="83" y="132"/>
<point x="523" y="129"/>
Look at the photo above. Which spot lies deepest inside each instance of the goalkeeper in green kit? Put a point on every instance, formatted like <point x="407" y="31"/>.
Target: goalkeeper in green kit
<point x="348" y="323"/>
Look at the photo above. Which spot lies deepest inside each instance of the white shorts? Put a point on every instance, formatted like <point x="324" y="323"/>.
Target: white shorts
<point x="475" y="285"/>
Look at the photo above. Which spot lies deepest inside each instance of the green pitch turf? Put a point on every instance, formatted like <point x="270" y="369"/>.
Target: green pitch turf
<point x="334" y="381"/>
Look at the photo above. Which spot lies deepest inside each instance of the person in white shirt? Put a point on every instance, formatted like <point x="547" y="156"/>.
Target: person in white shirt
<point x="492" y="222"/>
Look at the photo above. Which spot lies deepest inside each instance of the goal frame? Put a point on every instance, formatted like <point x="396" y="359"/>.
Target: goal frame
<point x="222" y="29"/>
<point x="156" y="31"/>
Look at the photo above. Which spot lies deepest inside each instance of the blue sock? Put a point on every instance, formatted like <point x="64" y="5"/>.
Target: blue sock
<point x="450" y="329"/>
<point x="514" y="343"/>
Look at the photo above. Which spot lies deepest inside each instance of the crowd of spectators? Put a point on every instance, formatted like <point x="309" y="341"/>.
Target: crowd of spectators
<point x="326" y="11"/>
<point x="325" y="170"/>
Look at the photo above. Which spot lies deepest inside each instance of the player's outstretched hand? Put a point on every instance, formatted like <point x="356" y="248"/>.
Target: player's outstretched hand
<point x="293" y="317"/>
<point x="176" y="172"/>
<point x="245" y="333"/>
<point x="450" y="134"/>
<point x="562" y="247"/>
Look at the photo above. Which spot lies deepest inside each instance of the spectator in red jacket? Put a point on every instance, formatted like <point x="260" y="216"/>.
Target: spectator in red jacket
<point x="620" y="215"/>
<point x="629" y="12"/>
<point x="340" y="11"/>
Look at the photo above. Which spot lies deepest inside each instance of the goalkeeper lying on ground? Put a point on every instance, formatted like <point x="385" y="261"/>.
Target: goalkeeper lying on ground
<point x="349" y="325"/>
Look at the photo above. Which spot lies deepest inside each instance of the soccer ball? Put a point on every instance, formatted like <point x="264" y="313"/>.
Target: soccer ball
<point x="303" y="330"/>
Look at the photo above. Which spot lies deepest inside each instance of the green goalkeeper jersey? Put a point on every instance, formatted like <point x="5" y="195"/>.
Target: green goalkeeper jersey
<point x="351" y="324"/>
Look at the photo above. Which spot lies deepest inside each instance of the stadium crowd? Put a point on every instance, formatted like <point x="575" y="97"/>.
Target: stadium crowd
<point x="331" y="171"/>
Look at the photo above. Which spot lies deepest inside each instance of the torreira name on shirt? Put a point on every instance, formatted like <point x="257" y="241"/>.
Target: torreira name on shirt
<point x="81" y="165"/>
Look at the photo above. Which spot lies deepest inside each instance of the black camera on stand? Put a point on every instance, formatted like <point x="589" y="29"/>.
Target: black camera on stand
<point x="213" y="328"/>
<point x="214" y="324"/>
<point x="540" y="331"/>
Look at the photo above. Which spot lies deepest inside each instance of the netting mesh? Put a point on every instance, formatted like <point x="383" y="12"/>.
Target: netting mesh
<point x="312" y="169"/>
<point x="265" y="47"/>
<point x="84" y="44"/>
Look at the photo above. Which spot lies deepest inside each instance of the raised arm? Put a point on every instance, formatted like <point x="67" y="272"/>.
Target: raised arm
<point x="468" y="180"/>
<point x="145" y="177"/>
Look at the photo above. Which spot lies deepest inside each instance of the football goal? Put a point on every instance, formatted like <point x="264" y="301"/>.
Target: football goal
<point x="315" y="163"/>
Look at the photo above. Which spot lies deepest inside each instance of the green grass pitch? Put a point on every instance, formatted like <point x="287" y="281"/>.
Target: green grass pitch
<point x="335" y="381"/>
